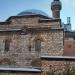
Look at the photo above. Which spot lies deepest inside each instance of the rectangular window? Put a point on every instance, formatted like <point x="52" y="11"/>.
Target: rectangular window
<point x="2" y="44"/>
<point x="38" y="45"/>
<point x="7" y="44"/>
<point x="29" y="48"/>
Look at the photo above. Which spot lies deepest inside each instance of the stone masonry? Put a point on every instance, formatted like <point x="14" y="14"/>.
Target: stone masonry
<point x="33" y="43"/>
<point x="18" y="41"/>
<point x="22" y="51"/>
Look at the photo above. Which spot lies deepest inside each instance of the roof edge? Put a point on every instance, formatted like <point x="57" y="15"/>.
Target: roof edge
<point x="57" y="58"/>
<point x="20" y="69"/>
<point x="27" y="16"/>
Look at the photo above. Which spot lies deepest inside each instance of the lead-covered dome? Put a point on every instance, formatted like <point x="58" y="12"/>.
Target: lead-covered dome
<point x="32" y="12"/>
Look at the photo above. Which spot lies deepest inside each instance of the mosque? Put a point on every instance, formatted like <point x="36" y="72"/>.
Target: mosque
<point x="32" y="42"/>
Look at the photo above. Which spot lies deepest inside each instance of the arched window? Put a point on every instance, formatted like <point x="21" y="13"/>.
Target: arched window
<point x="38" y="45"/>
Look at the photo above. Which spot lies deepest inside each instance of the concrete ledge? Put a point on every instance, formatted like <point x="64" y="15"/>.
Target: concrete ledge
<point x="59" y="58"/>
<point x="7" y="30"/>
<point x="20" y="69"/>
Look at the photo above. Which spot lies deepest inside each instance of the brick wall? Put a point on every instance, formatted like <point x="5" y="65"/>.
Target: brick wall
<point x="69" y="47"/>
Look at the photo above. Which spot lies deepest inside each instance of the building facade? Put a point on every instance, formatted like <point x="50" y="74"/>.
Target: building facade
<point x="32" y="41"/>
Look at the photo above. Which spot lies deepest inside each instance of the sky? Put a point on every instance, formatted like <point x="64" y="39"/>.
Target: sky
<point x="13" y="7"/>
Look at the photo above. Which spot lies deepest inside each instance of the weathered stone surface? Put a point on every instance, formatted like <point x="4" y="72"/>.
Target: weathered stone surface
<point x="22" y="46"/>
<point x="57" y="66"/>
<point x="18" y="73"/>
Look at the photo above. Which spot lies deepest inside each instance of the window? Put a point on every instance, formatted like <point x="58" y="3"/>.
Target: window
<point x="38" y="45"/>
<point x="2" y="45"/>
<point x="29" y="48"/>
<point x="7" y="44"/>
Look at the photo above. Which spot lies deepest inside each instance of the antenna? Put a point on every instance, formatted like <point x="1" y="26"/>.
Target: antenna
<point x="56" y="0"/>
<point x="68" y="20"/>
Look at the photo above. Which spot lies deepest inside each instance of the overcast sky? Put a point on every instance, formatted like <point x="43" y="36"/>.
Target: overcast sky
<point x="13" y="7"/>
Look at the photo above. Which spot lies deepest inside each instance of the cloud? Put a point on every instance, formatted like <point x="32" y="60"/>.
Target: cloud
<point x="72" y="2"/>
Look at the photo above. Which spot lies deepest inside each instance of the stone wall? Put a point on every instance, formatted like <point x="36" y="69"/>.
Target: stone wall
<point x="22" y="47"/>
<point x="57" y="65"/>
<point x="32" y="21"/>
<point x="18" y="54"/>
<point x="22" y="51"/>
<point x="18" y="73"/>
<point x="52" y="43"/>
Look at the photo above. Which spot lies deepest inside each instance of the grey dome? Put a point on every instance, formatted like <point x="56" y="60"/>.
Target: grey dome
<point x="32" y="12"/>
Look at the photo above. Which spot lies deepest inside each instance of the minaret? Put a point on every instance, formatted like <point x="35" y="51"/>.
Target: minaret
<point x="56" y="7"/>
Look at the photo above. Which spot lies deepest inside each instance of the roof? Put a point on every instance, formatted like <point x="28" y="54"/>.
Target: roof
<point x="32" y="12"/>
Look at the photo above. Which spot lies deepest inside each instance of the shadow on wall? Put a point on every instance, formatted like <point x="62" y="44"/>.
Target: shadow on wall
<point x="36" y="62"/>
<point x="7" y="62"/>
